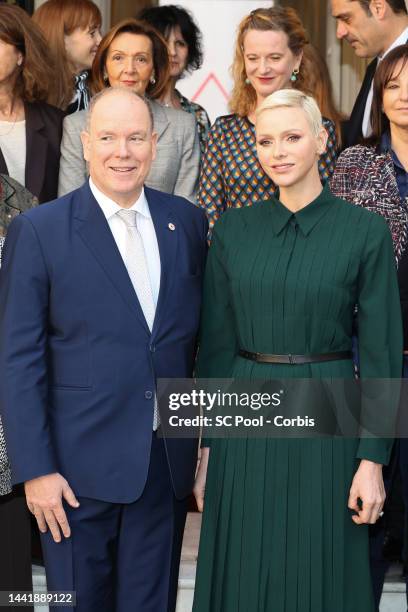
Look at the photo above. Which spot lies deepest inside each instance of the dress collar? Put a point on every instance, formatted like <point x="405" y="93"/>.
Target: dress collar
<point x="306" y="218"/>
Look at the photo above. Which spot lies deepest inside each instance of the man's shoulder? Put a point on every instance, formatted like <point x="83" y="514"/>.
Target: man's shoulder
<point x="54" y="209"/>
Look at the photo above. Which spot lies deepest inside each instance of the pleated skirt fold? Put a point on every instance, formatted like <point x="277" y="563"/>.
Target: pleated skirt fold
<point x="277" y="535"/>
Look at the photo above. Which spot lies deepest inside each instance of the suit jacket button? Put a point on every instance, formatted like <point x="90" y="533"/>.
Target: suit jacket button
<point x="148" y="394"/>
<point x="152" y="348"/>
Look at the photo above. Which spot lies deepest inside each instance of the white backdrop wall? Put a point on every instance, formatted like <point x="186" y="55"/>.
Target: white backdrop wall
<point x="217" y="20"/>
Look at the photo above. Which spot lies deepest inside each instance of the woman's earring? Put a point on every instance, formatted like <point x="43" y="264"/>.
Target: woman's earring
<point x="293" y="76"/>
<point x="152" y="79"/>
<point x="247" y="81"/>
<point x="105" y="76"/>
<point x="19" y="61"/>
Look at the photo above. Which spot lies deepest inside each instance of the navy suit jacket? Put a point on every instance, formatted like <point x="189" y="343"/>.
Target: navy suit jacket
<point x="78" y="364"/>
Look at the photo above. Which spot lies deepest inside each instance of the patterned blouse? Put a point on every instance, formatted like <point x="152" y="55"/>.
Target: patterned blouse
<point x="366" y="177"/>
<point x="201" y="117"/>
<point x="231" y="175"/>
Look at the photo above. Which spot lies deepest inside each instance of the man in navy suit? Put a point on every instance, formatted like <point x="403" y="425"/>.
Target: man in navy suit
<point x="372" y="28"/>
<point x="100" y="295"/>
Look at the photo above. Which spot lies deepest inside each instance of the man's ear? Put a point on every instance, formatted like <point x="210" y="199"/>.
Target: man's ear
<point x="379" y="9"/>
<point x="154" y="145"/>
<point x="85" y="144"/>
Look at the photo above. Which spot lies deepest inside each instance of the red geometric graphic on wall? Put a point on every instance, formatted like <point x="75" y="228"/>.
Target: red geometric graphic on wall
<point x="210" y="81"/>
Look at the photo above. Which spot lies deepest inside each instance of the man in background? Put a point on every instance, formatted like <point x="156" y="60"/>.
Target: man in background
<point x="372" y="28"/>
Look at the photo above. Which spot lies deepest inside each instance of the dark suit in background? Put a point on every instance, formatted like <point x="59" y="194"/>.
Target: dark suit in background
<point x="351" y="130"/>
<point x="43" y="140"/>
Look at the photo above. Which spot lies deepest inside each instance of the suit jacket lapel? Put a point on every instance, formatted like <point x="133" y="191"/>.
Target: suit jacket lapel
<point x="3" y="165"/>
<point x="357" y="114"/>
<point x="167" y="233"/>
<point x="36" y="155"/>
<point x="96" y="234"/>
<point x="161" y="120"/>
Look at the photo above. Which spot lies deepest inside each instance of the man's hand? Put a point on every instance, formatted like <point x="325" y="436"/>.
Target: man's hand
<point x="368" y="486"/>
<point x="44" y="499"/>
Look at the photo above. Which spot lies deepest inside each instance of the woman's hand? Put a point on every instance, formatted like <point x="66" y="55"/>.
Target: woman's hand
<point x="368" y="486"/>
<point x="201" y="477"/>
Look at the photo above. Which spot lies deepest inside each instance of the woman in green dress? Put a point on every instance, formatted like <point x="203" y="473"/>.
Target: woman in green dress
<point x="285" y="520"/>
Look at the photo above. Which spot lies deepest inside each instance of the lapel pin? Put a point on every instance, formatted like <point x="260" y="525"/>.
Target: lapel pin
<point x="171" y="227"/>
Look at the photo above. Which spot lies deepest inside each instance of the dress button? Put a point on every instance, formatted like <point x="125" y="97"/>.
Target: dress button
<point x="148" y="394"/>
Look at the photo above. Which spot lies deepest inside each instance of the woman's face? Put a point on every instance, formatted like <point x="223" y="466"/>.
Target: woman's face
<point x="129" y="62"/>
<point x="10" y="61"/>
<point x="81" y="46"/>
<point x="395" y="97"/>
<point x="287" y="148"/>
<point x="178" y="52"/>
<point x="269" y="62"/>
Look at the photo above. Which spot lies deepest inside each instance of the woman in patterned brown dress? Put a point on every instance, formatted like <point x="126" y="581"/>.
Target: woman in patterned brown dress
<point x="268" y="57"/>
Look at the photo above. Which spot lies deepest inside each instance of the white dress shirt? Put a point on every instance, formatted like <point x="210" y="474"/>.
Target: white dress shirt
<point x="366" y="127"/>
<point x="145" y="227"/>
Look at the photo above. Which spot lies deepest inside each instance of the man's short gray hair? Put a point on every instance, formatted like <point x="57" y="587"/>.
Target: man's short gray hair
<point x="112" y="91"/>
<point x="293" y="98"/>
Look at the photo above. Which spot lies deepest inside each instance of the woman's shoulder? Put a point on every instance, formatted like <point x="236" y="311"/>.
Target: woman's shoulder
<point x="46" y="109"/>
<point x="175" y="116"/>
<point x="189" y="105"/>
<point x="358" y="153"/>
<point x="358" y="214"/>
<point x="227" y="122"/>
<point x="234" y="218"/>
<point x="15" y="194"/>
<point x="75" y="121"/>
<point x="42" y="111"/>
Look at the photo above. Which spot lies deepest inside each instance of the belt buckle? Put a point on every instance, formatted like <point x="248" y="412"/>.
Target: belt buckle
<point x="257" y="357"/>
<point x="291" y="359"/>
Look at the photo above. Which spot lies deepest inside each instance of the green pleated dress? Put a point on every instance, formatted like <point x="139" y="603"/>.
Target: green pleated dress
<point x="277" y="535"/>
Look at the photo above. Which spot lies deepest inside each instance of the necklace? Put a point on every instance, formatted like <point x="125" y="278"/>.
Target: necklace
<point x="172" y="101"/>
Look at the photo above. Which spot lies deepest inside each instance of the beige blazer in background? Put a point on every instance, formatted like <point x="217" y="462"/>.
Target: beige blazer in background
<point x="175" y="169"/>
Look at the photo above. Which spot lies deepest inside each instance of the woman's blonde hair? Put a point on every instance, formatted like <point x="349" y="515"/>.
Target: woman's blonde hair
<point x="292" y="98"/>
<point x="277" y="19"/>
<point x="56" y="19"/>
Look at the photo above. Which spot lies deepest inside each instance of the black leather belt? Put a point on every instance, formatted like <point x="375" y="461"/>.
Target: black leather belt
<point x="295" y="359"/>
